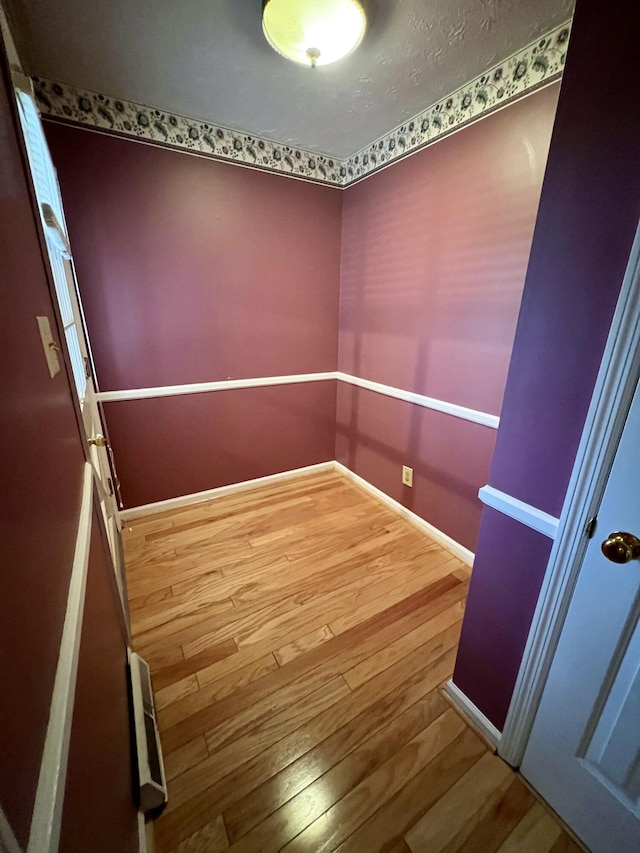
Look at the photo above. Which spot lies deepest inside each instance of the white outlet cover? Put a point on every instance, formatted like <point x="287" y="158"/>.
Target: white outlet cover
<point x="48" y="345"/>
<point x="407" y="475"/>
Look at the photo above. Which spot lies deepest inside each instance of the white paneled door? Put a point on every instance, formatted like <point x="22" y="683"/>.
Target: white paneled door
<point x="583" y="755"/>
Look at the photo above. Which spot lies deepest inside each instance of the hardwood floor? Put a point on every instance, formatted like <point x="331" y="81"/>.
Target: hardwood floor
<point x="298" y="635"/>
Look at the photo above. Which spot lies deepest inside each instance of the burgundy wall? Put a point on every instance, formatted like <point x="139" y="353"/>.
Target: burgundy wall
<point x="376" y="435"/>
<point x="586" y="222"/>
<point x="226" y="437"/>
<point x="196" y="271"/>
<point x="434" y="256"/>
<point x="99" y="807"/>
<point x="42" y="465"/>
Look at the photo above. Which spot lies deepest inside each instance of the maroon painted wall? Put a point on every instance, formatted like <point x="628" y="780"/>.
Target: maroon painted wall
<point x="434" y="256"/>
<point x="201" y="441"/>
<point x="42" y="462"/>
<point x="99" y="811"/>
<point x="41" y="458"/>
<point x="196" y="271"/>
<point x="587" y="219"/>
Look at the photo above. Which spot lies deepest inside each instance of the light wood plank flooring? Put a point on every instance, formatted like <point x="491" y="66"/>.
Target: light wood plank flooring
<point x="298" y="635"/>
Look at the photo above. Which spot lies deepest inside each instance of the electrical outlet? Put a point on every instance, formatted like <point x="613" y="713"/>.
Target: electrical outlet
<point x="407" y="475"/>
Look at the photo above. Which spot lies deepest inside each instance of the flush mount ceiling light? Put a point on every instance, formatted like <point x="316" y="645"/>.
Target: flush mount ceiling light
<point x="312" y="32"/>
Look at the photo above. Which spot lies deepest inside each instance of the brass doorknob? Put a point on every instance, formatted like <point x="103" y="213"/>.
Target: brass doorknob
<point x="98" y="440"/>
<point x="621" y="547"/>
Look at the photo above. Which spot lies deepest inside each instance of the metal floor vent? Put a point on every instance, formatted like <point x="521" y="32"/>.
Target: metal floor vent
<point x="153" y="784"/>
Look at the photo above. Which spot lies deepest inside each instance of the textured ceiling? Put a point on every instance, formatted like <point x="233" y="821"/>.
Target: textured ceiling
<point x="208" y="59"/>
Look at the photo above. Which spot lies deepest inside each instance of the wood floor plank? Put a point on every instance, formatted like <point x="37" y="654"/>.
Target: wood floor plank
<point x="259" y="713"/>
<point x="235" y="678"/>
<point x="566" y="844"/>
<point x="437" y="827"/>
<point x="537" y="832"/>
<point x="187" y="756"/>
<point x="298" y="634"/>
<point x="195" y="715"/>
<point x="401" y="811"/>
<point x="345" y="601"/>
<point x="189" y="600"/>
<point x="226" y="759"/>
<point x="415" y="696"/>
<point x="210" y="523"/>
<point x="162" y="658"/>
<point x="491" y="826"/>
<point x="282" y="614"/>
<point x="232" y="573"/>
<point x="174" y="692"/>
<point x="212" y="838"/>
<point x="383" y="629"/>
<point x="141" y="601"/>
<point x="330" y="573"/>
<point x="275" y="826"/>
<point x="304" y="644"/>
<point x="238" y="676"/>
<point x="164" y="676"/>
<point x="307" y="519"/>
<point x="404" y="645"/>
<point x="398" y="845"/>
<point x="430" y="570"/>
<point x="169" y="571"/>
<point x="175" y="614"/>
<point x="334" y="732"/>
<point x="390" y="536"/>
<point x="140" y="527"/>
<point x="341" y="819"/>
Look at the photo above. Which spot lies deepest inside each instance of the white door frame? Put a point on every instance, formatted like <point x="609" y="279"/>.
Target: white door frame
<point x="612" y="395"/>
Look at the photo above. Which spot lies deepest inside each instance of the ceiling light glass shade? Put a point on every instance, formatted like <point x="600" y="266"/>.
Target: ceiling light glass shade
<point x="313" y="32"/>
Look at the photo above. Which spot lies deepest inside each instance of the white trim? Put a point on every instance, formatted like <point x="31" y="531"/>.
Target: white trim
<point x="534" y="518"/>
<point x="47" y="810"/>
<point x="8" y="841"/>
<point x="438" y="536"/>
<point x="613" y="392"/>
<point x="472" y="415"/>
<point x="221" y="491"/>
<point x="468" y="709"/>
<point x="202" y="387"/>
<point x="143" y="847"/>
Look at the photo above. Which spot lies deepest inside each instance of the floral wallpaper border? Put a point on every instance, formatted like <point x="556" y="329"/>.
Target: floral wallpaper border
<point x="538" y="64"/>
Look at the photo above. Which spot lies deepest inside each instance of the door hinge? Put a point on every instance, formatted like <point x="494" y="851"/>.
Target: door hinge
<point x="110" y="486"/>
<point x="590" y="527"/>
<point x="87" y="367"/>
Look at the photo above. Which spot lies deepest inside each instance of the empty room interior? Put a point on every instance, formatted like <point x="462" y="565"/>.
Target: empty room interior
<point x="321" y="325"/>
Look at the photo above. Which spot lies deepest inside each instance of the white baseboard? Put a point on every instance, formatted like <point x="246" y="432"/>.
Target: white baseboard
<point x="222" y="491"/>
<point x="478" y="720"/>
<point x="438" y="536"/>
